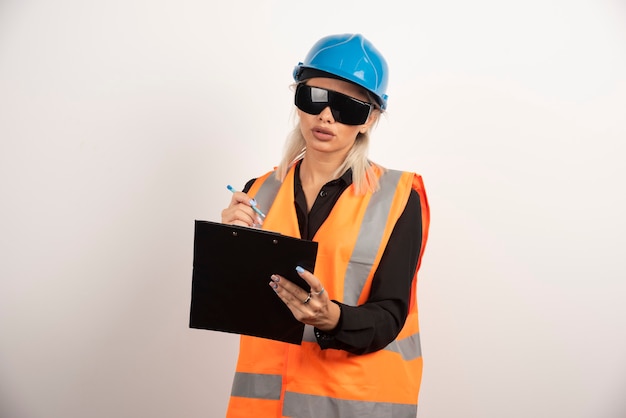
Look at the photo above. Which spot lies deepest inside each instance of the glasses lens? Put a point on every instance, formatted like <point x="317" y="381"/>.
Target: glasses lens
<point x="345" y="109"/>
<point x="306" y="101"/>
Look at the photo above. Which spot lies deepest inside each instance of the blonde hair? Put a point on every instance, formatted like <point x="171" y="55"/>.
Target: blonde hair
<point x="364" y="178"/>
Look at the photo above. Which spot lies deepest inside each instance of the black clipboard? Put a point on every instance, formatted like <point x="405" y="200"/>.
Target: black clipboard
<point x="230" y="291"/>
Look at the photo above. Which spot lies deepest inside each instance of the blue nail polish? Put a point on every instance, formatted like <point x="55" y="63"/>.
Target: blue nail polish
<point x="299" y="269"/>
<point x="275" y="278"/>
<point x="252" y="202"/>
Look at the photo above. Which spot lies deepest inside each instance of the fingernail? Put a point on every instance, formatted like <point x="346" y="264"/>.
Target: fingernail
<point x="252" y="202"/>
<point x="259" y="220"/>
<point x="273" y="286"/>
<point x="299" y="269"/>
<point x="275" y="278"/>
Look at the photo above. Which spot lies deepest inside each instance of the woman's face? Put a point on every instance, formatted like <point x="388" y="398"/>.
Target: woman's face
<point x="322" y="132"/>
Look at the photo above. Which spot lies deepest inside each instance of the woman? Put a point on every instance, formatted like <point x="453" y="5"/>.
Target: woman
<point x="360" y="354"/>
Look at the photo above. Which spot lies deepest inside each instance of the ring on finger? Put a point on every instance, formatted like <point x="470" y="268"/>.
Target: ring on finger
<point x="308" y="298"/>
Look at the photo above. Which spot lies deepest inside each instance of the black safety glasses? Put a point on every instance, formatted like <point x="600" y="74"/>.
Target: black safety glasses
<point x="345" y="109"/>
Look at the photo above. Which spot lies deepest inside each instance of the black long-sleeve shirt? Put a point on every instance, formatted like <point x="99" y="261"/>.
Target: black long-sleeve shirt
<point x="371" y="326"/>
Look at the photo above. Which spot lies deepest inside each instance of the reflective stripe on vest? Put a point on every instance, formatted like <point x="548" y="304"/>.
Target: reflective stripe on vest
<point x="259" y="386"/>
<point x="370" y="235"/>
<point x="409" y="348"/>
<point x="301" y="405"/>
<point x="267" y="192"/>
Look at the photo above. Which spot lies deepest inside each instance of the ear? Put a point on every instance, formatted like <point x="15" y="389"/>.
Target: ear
<point x="373" y="117"/>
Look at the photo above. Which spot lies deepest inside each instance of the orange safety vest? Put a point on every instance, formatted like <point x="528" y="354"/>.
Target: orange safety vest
<point x="276" y="379"/>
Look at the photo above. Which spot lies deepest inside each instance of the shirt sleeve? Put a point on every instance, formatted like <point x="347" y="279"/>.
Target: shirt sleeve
<point x="372" y="326"/>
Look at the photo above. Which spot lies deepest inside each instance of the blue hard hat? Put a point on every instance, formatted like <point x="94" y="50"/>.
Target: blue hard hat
<point x="350" y="57"/>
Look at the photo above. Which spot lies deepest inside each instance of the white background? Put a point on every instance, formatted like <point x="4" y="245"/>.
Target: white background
<point x="121" y="122"/>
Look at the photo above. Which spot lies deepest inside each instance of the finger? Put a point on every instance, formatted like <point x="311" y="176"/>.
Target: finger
<point x="240" y="214"/>
<point x="244" y="202"/>
<point x="314" y="282"/>
<point x="236" y="216"/>
<point x="291" y="294"/>
<point x="241" y="197"/>
<point x="239" y="223"/>
<point x="288" y="289"/>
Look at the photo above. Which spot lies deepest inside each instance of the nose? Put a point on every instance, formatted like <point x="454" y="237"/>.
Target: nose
<point x="326" y="115"/>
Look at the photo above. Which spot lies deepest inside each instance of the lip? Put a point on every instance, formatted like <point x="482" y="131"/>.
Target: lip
<point x="322" y="134"/>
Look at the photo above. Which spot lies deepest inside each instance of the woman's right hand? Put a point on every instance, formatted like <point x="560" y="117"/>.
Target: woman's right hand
<point x="240" y="212"/>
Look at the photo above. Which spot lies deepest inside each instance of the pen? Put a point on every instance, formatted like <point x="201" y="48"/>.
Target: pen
<point x="254" y="208"/>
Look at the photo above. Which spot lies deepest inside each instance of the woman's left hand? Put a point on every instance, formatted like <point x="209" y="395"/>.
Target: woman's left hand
<point x="313" y="308"/>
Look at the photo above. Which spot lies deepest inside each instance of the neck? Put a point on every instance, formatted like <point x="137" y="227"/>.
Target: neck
<point x="315" y="171"/>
